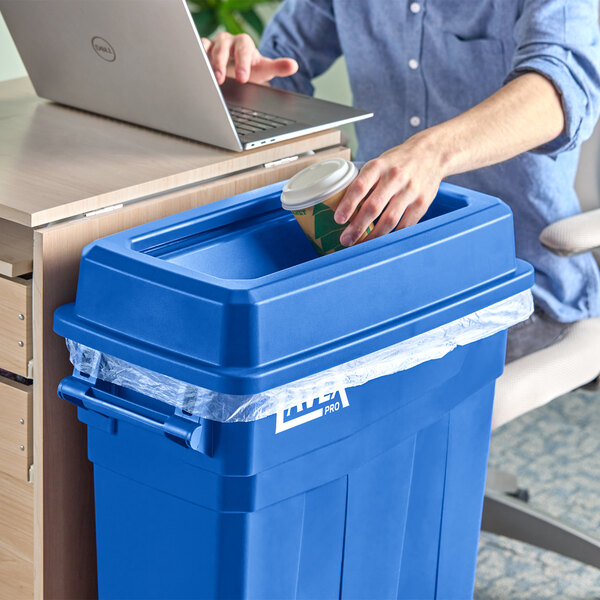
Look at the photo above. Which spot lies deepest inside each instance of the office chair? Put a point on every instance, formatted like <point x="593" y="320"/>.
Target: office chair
<point x="538" y="378"/>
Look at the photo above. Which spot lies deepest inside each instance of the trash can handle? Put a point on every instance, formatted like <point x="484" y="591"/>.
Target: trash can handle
<point x="179" y="429"/>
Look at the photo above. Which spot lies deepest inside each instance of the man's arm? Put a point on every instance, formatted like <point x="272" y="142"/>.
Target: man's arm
<point x="298" y="44"/>
<point x="237" y="56"/>
<point x="522" y="115"/>
<point x="549" y="103"/>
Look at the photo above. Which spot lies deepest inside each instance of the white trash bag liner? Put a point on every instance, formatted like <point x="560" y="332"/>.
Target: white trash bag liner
<point x="230" y="408"/>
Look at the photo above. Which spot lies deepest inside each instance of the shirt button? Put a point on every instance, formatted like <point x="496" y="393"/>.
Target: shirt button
<point x="413" y="64"/>
<point x="415" y="121"/>
<point x="415" y="7"/>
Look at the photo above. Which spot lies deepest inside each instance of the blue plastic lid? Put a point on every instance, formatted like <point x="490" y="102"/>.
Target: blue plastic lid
<point x="232" y="297"/>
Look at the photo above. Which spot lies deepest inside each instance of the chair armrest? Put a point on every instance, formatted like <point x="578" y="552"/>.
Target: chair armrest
<point x="573" y="235"/>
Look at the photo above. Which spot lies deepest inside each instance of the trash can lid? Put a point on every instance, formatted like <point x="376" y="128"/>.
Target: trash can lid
<point x="232" y="297"/>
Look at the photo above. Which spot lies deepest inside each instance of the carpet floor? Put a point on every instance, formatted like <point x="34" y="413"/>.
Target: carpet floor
<point x="555" y="453"/>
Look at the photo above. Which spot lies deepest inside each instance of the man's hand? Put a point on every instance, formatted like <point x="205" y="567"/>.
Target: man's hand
<point x="400" y="185"/>
<point x="237" y="56"/>
<point x="403" y="183"/>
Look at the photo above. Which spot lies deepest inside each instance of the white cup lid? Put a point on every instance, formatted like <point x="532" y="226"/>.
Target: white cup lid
<point x="317" y="183"/>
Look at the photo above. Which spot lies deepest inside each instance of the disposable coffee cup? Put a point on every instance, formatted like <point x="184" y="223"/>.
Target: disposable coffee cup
<point x="313" y="194"/>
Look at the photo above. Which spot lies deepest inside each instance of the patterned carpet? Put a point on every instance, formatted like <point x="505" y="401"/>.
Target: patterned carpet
<point x="555" y="452"/>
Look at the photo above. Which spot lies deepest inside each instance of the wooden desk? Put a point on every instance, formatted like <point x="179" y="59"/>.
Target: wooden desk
<point x="66" y="179"/>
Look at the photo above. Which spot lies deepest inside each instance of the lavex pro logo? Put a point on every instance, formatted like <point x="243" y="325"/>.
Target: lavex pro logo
<point x="311" y="410"/>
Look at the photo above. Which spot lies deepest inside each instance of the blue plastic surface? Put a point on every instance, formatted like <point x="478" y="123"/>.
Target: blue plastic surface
<point x="379" y="499"/>
<point x="232" y="296"/>
<point x="372" y="492"/>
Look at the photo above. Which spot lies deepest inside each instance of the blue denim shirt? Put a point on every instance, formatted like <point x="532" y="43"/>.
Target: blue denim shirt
<point x="418" y="63"/>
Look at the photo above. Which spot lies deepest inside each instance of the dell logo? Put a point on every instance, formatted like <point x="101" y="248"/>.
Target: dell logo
<point x="103" y="49"/>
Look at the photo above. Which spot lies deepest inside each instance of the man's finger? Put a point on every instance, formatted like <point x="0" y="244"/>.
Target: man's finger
<point x="356" y="192"/>
<point x="221" y="51"/>
<point x="267" y="68"/>
<point x="207" y="45"/>
<point x="368" y="212"/>
<point x="413" y="214"/>
<point x="391" y="216"/>
<point x="243" y="51"/>
<point x="284" y="67"/>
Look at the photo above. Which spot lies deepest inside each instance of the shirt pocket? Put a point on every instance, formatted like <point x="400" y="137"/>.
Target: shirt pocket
<point x="462" y="72"/>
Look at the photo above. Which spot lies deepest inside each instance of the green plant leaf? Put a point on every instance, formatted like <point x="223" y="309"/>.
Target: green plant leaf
<point x="200" y="5"/>
<point x="232" y="25"/>
<point x="206" y="22"/>
<point x="252" y="18"/>
<point x="243" y="4"/>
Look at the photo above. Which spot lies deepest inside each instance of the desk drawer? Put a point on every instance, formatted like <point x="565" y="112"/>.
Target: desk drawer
<point x="16" y="346"/>
<point x="16" y="452"/>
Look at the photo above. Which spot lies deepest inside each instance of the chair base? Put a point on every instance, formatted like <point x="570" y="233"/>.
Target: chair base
<point x="506" y="483"/>
<point x="512" y="518"/>
<point x="592" y="386"/>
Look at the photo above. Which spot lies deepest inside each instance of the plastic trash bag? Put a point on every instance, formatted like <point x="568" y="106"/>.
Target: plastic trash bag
<point x="227" y="408"/>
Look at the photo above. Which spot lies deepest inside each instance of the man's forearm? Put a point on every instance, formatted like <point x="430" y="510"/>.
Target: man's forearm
<point x="524" y="114"/>
<point x="399" y="185"/>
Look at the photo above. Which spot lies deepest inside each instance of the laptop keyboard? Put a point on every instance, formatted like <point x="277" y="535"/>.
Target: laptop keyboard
<point x="247" y="120"/>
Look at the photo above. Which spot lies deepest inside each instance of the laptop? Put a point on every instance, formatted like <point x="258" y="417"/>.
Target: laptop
<point x="142" y="61"/>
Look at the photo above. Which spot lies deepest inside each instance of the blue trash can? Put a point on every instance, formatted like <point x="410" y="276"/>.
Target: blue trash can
<point x="373" y="491"/>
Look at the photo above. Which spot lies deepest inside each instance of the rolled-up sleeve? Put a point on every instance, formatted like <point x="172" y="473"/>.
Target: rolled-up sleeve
<point x="560" y="40"/>
<point x="304" y="30"/>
